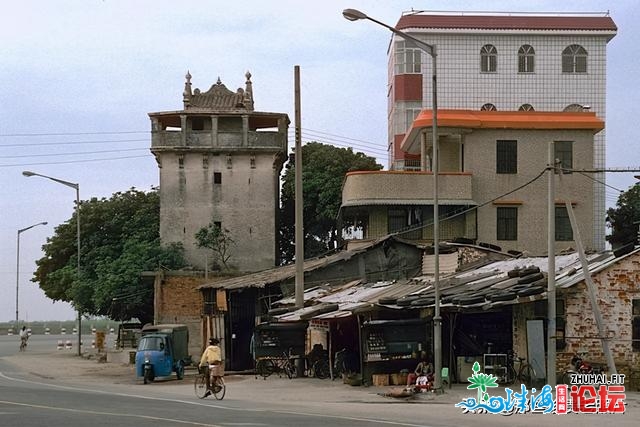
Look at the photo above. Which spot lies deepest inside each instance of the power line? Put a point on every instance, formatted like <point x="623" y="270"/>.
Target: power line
<point x="73" y="161"/>
<point x="73" y="154"/>
<point x="71" y="133"/>
<point x="38" y="144"/>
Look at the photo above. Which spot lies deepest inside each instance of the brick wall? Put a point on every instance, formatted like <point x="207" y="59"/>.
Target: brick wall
<point x="616" y="287"/>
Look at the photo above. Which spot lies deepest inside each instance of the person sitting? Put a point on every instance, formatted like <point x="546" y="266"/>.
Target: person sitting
<point x="212" y="356"/>
<point x="423" y="372"/>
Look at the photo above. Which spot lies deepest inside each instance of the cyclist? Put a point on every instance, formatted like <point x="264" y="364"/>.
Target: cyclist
<point x="212" y="356"/>
<point x="24" y="336"/>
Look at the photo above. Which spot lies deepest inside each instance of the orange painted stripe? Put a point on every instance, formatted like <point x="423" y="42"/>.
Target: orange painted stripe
<point x="510" y="120"/>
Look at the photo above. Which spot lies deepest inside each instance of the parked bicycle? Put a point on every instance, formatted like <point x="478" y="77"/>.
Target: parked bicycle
<point x="525" y="373"/>
<point x="216" y="385"/>
<point x="280" y="365"/>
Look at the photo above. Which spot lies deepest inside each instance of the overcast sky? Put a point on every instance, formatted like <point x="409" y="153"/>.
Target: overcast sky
<point x="80" y="77"/>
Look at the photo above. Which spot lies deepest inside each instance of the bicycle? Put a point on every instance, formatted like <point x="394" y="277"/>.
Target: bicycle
<point x="525" y="373"/>
<point x="217" y="387"/>
<point x="23" y="343"/>
<point x="284" y="364"/>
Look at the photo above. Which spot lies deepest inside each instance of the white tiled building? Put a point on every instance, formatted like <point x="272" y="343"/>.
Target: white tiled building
<point x="507" y="63"/>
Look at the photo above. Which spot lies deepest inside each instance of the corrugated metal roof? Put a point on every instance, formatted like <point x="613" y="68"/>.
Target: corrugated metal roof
<point x="278" y="274"/>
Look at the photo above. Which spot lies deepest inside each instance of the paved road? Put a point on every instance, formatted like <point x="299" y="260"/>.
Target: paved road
<point x="30" y="398"/>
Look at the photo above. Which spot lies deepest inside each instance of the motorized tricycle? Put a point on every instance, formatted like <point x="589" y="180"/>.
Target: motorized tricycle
<point x="162" y="349"/>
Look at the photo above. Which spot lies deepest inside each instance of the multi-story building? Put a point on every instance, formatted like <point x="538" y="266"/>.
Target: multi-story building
<point x="220" y="163"/>
<point x="499" y="76"/>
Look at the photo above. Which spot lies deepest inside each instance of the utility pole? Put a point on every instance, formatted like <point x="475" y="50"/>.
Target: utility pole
<point x="551" y="271"/>
<point x="298" y="199"/>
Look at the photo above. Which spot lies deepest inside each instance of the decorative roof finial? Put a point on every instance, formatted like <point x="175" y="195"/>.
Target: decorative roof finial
<point x="248" y="92"/>
<point x="219" y="82"/>
<point x="186" y="95"/>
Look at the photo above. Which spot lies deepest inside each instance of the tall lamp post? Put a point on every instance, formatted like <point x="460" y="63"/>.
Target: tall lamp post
<point x="22" y="230"/>
<point x="77" y="188"/>
<point x="355" y="15"/>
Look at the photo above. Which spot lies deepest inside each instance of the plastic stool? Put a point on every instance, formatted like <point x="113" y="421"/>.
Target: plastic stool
<point x="444" y="375"/>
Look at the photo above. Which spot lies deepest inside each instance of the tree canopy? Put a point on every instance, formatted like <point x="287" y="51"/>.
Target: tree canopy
<point x="120" y="238"/>
<point x="324" y="167"/>
<point x="624" y="219"/>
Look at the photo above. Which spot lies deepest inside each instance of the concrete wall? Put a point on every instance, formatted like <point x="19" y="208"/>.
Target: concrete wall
<point x="480" y="160"/>
<point x="245" y="203"/>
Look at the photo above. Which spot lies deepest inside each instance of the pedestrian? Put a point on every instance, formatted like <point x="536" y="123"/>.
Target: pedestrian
<point x="24" y="336"/>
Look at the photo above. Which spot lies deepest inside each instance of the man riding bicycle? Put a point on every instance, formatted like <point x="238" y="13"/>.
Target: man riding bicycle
<point x="212" y="356"/>
<point x="24" y="336"/>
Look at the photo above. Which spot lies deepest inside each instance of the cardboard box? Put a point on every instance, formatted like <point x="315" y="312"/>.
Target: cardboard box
<point x="398" y="379"/>
<point x="380" y="380"/>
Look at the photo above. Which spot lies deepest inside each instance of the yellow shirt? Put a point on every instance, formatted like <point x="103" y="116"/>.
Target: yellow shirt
<point x="212" y="354"/>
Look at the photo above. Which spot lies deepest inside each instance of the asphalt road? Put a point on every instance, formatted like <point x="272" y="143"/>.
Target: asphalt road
<point x="28" y="399"/>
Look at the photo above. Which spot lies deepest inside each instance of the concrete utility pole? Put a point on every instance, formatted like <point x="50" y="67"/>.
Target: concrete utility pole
<point x="591" y="287"/>
<point x="551" y="271"/>
<point x="298" y="198"/>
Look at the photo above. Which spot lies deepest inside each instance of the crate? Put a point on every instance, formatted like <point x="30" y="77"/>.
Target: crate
<point x="380" y="380"/>
<point x="398" y="379"/>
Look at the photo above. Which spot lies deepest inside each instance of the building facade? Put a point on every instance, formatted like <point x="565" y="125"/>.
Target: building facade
<point x="220" y="163"/>
<point x="505" y="63"/>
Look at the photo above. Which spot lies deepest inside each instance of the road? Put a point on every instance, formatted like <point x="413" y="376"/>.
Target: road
<point x="28" y="398"/>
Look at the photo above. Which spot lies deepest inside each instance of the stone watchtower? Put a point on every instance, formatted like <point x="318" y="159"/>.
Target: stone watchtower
<point x="220" y="162"/>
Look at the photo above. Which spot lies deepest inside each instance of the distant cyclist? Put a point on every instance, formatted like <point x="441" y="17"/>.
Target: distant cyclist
<point x="212" y="356"/>
<point x="24" y="336"/>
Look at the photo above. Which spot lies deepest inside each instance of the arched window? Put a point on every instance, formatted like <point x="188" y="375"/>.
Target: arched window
<point x="488" y="59"/>
<point x="574" y="108"/>
<point x="526" y="107"/>
<point x="526" y="57"/>
<point x="574" y="59"/>
<point x="488" y="107"/>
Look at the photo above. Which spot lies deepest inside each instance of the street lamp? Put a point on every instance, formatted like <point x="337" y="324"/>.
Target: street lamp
<point x="355" y="15"/>
<point x="77" y="188"/>
<point x="20" y="231"/>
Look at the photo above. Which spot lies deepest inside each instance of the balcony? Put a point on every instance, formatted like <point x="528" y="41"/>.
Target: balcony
<point x="366" y="188"/>
<point x="170" y="139"/>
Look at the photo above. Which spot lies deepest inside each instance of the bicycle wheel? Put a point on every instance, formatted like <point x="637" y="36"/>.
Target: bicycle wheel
<point x="200" y="386"/>
<point x="511" y="376"/>
<point x="527" y="374"/>
<point x="321" y="369"/>
<point x="265" y="367"/>
<point x="290" y="369"/>
<point x="219" y="388"/>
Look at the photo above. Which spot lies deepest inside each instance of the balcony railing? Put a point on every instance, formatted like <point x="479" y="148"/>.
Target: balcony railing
<point x="171" y="139"/>
<point x="405" y="188"/>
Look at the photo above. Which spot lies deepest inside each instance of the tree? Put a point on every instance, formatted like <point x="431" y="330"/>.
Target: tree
<point x="624" y="219"/>
<point x="324" y="168"/>
<point x="216" y="239"/>
<point x="120" y="238"/>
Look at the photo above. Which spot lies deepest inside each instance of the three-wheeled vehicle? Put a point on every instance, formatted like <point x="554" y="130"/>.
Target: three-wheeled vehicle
<point x="162" y="349"/>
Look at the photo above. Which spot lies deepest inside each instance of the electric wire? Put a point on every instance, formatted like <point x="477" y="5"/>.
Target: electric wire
<point x="77" y="153"/>
<point x="74" y="161"/>
<point x="42" y="144"/>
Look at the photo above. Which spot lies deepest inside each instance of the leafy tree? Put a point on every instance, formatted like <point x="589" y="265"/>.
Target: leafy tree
<point x="324" y="167"/>
<point x="625" y="217"/>
<point x="120" y="238"/>
<point x="218" y="240"/>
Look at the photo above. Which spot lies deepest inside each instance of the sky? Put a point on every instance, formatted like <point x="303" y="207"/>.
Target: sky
<point x="78" y="78"/>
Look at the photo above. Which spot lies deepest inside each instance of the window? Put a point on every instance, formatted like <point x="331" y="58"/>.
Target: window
<point x="409" y="219"/>
<point x="507" y="223"/>
<point x="635" y="319"/>
<point x="217" y="224"/>
<point x="526" y="56"/>
<point x="181" y="161"/>
<point x="564" y="232"/>
<point x="217" y="177"/>
<point x="488" y="59"/>
<point x="407" y="60"/>
<point x="488" y="107"/>
<point x="574" y="59"/>
<point x="506" y="156"/>
<point x="526" y="107"/>
<point x="563" y="151"/>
